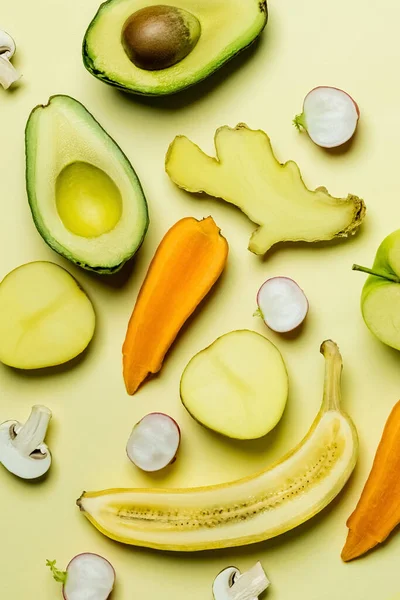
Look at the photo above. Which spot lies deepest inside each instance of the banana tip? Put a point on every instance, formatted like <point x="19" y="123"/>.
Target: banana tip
<point x="79" y="502"/>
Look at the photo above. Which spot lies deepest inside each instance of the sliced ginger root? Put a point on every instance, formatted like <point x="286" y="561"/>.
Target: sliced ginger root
<point x="273" y="195"/>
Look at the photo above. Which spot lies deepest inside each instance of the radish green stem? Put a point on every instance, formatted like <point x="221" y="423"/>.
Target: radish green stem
<point x="33" y="433"/>
<point x="376" y="273"/>
<point x="59" y="576"/>
<point x="299" y="122"/>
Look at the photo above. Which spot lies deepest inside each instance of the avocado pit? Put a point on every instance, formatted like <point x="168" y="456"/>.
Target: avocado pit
<point x="158" y="37"/>
<point x="88" y="202"/>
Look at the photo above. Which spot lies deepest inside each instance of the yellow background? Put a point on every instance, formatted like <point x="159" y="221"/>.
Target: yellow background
<point x="347" y="43"/>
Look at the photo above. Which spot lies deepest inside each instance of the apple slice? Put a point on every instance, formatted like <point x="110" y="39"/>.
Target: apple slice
<point x="238" y="386"/>
<point x="282" y="304"/>
<point x="330" y="116"/>
<point x="380" y="298"/>
<point x="46" y="319"/>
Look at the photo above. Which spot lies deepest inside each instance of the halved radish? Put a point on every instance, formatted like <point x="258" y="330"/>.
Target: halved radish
<point x="87" y="577"/>
<point x="154" y="442"/>
<point x="282" y="304"/>
<point x="329" y="116"/>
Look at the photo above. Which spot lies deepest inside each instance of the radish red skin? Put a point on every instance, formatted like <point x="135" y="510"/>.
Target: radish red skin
<point x="86" y="554"/>
<point x="305" y="297"/>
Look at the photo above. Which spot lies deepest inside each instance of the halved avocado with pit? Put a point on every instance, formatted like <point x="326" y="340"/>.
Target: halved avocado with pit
<point x="86" y="200"/>
<point x="155" y="49"/>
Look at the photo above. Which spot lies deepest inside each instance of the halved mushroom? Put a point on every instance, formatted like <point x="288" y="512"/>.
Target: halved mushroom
<point x="8" y="74"/>
<point x="22" y="448"/>
<point x="231" y="584"/>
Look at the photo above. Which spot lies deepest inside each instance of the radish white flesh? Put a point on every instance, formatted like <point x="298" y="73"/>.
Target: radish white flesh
<point x="89" y="577"/>
<point x="330" y="116"/>
<point x="282" y="304"/>
<point x="154" y="442"/>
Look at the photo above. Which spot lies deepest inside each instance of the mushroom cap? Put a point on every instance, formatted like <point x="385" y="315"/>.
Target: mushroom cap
<point x="7" y="45"/>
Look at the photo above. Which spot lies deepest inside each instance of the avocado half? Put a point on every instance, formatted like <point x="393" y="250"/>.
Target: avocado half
<point x="226" y="28"/>
<point x="86" y="199"/>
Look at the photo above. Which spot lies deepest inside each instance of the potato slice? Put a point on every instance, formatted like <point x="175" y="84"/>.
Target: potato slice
<point x="46" y="319"/>
<point x="238" y="386"/>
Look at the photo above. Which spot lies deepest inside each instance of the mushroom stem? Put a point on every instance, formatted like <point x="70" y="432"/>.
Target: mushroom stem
<point x="8" y="74"/>
<point x="250" y="584"/>
<point x="33" y="433"/>
<point x="230" y="584"/>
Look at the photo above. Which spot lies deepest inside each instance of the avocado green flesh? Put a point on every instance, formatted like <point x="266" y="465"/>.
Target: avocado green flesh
<point x="86" y="200"/>
<point x="226" y="29"/>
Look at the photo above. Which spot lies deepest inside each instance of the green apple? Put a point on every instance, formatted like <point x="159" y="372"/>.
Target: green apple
<point x="380" y="299"/>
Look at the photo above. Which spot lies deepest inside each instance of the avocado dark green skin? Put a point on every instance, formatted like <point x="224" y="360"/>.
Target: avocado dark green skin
<point x="88" y="62"/>
<point x="54" y="245"/>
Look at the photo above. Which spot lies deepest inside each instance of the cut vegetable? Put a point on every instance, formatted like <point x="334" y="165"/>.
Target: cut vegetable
<point x="188" y="262"/>
<point x="8" y="74"/>
<point x="154" y="442"/>
<point x="249" y="510"/>
<point x="46" y="319"/>
<point x="282" y="304"/>
<point x="238" y="386"/>
<point x="22" y="448"/>
<point x="247" y="174"/>
<point x="329" y="116"/>
<point x="87" y="577"/>
<point x="231" y="584"/>
<point x="378" y="511"/>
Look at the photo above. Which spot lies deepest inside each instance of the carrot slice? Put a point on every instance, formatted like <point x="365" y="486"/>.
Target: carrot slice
<point x="187" y="263"/>
<point x="378" y="510"/>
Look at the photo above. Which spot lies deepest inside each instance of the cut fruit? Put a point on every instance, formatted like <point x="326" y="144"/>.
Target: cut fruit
<point x="154" y="442"/>
<point x="86" y="200"/>
<point x="238" y="386"/>
<point x="282" y="304"/>
<point x="168" y="46"/>
<point x="249" y="510"/>
<point x="330" y="116"/>
<point x="247" y="174"/>
<point x="87" y="577"/>
<point x="380" y="298"/>
<point x="46" y="318"/>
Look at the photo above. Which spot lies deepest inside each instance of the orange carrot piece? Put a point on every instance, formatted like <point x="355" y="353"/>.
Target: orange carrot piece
<point x="187" y="263"/>
<point x="378" y="510"/>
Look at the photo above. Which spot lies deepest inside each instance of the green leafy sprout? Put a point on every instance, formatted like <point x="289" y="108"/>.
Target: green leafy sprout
<point x="59" y="576"/>
<point x="299" y="122"/>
